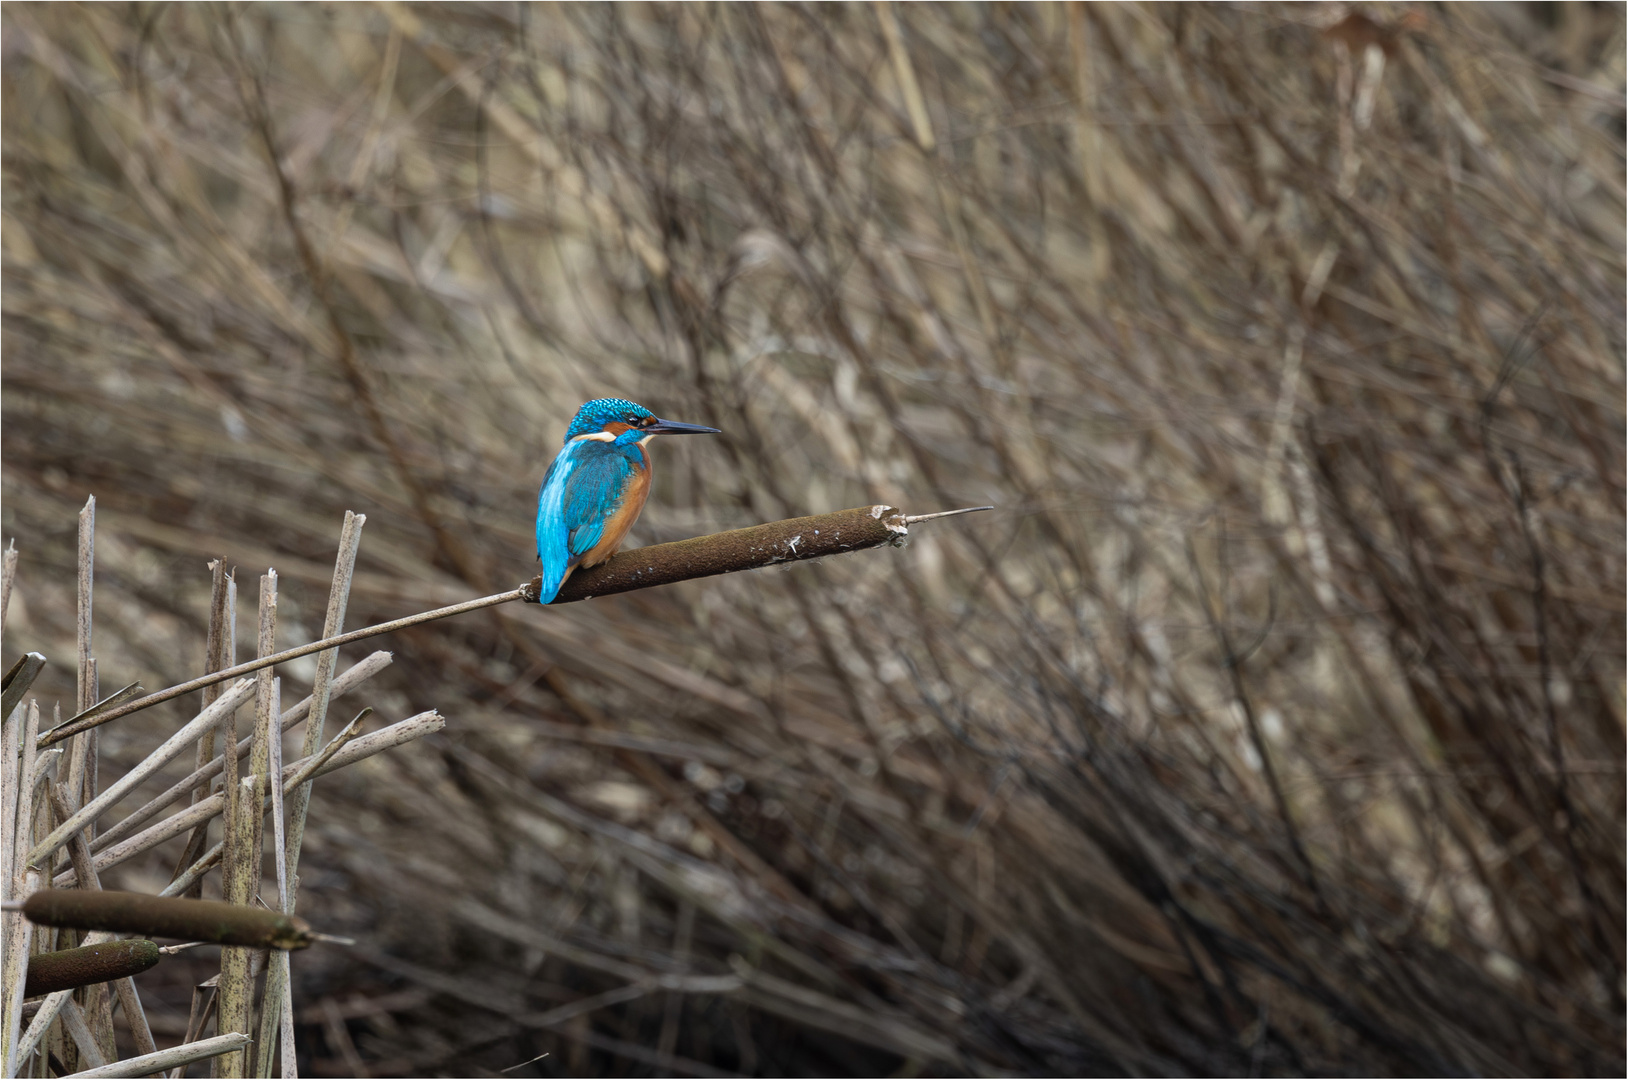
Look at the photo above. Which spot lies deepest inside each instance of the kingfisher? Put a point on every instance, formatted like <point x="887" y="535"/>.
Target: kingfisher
<point x="596" y="487"/>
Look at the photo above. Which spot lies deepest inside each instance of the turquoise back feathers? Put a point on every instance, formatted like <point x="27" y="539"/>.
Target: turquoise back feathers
<point x="596" y="487"/>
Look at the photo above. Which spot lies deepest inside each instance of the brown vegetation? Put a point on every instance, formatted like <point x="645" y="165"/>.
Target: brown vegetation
<point x="1274" y="723"/>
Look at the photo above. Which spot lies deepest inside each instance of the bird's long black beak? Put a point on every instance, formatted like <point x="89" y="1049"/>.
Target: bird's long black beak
<point x="675" y="427"/>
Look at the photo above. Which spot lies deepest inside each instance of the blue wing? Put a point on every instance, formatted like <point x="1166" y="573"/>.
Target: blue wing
<point x="583" y="488"/>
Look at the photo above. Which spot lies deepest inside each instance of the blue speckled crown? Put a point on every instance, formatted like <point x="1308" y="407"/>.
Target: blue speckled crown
<point x="594" y="415"/>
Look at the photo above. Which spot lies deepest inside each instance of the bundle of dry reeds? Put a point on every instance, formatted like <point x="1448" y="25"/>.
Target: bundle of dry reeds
<point x="1273" y="724"/>
<point x="56" y="793"/>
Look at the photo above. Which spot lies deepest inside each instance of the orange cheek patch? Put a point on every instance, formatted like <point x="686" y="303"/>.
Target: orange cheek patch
<point x="616" y="427"/>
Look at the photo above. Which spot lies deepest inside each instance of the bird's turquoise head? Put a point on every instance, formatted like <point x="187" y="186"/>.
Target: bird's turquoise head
<point x="625" y="420"/>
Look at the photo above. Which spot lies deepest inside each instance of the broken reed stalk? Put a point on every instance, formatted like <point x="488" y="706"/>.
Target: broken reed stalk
<point x="18" y="940"/>
<point x="323" y="686"/>
<point x="237" y="885"/>
<point x="19" y="880"/>
<point x="185" y="1054"/>
<point x="93" y="1033"/>
<point x="82" y="770"/>
<point x="9" y="767"/>
<point x="276" y="1002"/>
<point x="20" y="678"/>
<point x="271" y="1011"/>
<point x="7" y="576"/>
<point x="220" y="651"/>
<point x="274" y="734"/>
<point x="97" y="1003"/>
<point x="81" y="786"/>
<point x="771" y="544"/>
<point x="240" y="880"/>
<point x="9" y="740"/>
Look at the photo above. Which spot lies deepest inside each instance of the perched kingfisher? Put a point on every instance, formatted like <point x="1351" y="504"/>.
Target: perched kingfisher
<point x="596" y="487"/>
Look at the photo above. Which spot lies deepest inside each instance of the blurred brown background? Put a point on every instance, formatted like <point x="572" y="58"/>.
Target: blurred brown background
<point x="1273" y="723"/>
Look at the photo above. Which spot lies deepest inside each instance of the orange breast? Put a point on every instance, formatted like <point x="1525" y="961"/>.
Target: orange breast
<point x="618" y="524"/>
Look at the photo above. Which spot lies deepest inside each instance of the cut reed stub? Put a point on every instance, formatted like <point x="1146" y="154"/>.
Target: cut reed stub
<point x="88" y="964"/>
<point x="172" y="917"/>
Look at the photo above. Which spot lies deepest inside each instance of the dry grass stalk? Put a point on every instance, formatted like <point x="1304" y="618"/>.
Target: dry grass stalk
<point x="277" y="1005"/>
<point x="11" y="723"/>
<point x="235" y="1002"/>
<point x="323" y="686"/>
<point x="91" y="1026"/>
<point x="19" y="941"/>
<point x="177" y="1057"/>
<point x="8" y="574"/>
<point x="82" y="771"/>
<point x="19" y="678"/>
<point x="276" y="981"/>
<point x="244" y="839"/>
<point x="220" y="651"/>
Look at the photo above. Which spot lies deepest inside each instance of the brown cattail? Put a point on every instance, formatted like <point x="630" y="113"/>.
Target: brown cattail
<point x="163" y="916"/>
<point x="53" y="971"/>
